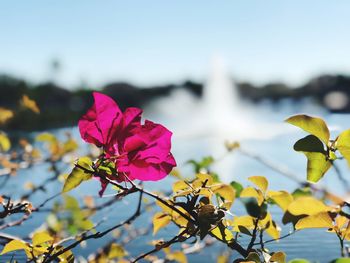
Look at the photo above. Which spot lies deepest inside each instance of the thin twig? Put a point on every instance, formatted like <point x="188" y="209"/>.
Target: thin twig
<point x="53" y="257"/>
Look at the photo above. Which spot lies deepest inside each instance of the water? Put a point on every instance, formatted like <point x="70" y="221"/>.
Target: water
<point x="200" y="129"/>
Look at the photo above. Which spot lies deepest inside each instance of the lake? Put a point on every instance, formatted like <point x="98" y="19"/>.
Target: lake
<point x="259" y="129"/>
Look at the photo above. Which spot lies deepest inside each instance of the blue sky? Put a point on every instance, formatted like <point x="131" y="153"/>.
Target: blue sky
<point x="155" y="42"/>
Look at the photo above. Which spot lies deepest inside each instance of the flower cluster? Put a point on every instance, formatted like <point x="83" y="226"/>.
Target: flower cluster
<point x="139" y="151"/>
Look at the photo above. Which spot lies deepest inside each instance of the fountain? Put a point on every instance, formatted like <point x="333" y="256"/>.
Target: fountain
<point x="202" y="125"/>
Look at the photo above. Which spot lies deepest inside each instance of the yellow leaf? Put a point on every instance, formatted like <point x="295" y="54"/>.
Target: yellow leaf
<point x="5" y="143"/>
<point x="201" y="179"/>
<point x="52" y="141"/>
<point x="264" y="221"/>
<point x="319" y="220"/>
<point x="343" y="145"/>
<point x="175" y="216"/>
<point x="205" y="192"/>
<point x="30" y="104"/>
<point x="269" y="226"/>
<point x="15" y="245"/>
<point x="5" y="115"/>
<point x="281" y="198"/>
<point x="116" y="251"/>
<point x="227" y="234"/>
<point x="179" y="186"/>
<point x="183" y="193"/>
<point x="177" y="256"/>
<point x="272" y="230"/>
<point x="252" y="192"/>
<point x="78" y="175"/>
<point x="70" y="146"/>
<point x="225" y="191"/>
<point x="340" y="221"/>
<point x="160" y="220"/>
<point x="66" y="257"/>
<point x="222" y="259"/>
<point x="246" y="221"/>
<point x="37" y="251"/>
<point x="317" y="166"/>
<point x="46" y="137"/>
<point x="41" y="237"/>
<point x="278" y="257"/>
<point x="307" y="205"/>
<point x="318" y="161"/>
<point x="313" y="125"/>
<point x="260" y="181"/>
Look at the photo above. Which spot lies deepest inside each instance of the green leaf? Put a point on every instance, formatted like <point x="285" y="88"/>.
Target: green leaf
<point x="343" y="145"/>
<point x="71" y="203"/>
<point x="78" y="174"/>
<point x="85" y="225"/>
<point x="5" y="143"/>
<point x="313" y="125"/>
<point x="253" y="256"/>
<point x="15" y="245"/>
<point x="341" y="260"/>
<point x="317" y="160"/>
<point x="309" y="143"/>
<point x="238" y="187"/>
<point x="203" y="164"/>
<point x="299" y="192"/>
<point x="254" y="209"/>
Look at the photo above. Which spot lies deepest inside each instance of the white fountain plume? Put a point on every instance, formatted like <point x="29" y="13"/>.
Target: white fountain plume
<point x="226" y="116"/>
<point x="220" y="97"/>
<point x="221" y="101"/>
<point x="220" y="114"/>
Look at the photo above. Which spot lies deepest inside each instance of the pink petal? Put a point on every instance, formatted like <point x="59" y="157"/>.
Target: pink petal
<point x="158" y="142"/>
<point x="101" y="120"/>
<point x="132" y="118"/>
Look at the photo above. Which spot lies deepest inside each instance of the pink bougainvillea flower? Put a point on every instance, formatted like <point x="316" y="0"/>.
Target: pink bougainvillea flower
<point x="140" y="151"/>
<point x="145" y="154"/>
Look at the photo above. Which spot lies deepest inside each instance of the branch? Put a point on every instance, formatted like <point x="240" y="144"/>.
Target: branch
<point x="97" y="235"/>
<point x="282" y="237"/>
<point x="164" y="245"/>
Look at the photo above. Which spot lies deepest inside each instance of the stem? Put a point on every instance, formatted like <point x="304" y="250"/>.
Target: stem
<point x="254" y="234"/>
<point x="341" y="241"/>
<point x="262" y="240"/>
